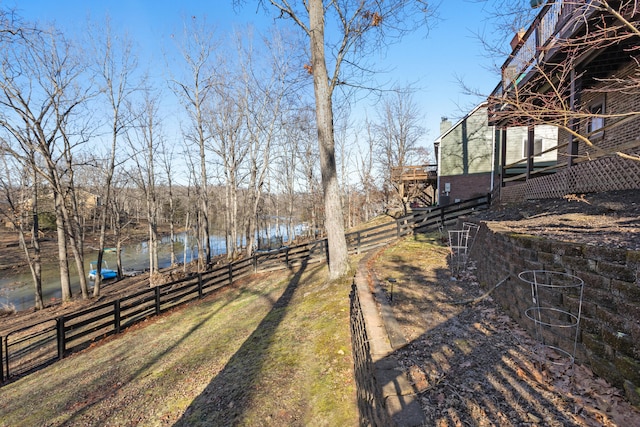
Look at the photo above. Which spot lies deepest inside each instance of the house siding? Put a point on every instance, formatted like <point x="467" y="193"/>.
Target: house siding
<point x="467" y="149"/>
<point x="517" y="135"/>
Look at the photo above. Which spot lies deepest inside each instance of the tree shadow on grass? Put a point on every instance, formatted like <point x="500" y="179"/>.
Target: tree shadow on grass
<point x="120" y="353"/>
<point x="226" y="396"/>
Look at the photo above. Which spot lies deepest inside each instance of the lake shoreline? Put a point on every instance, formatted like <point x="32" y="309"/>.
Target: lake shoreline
<point x="12" y="257"/>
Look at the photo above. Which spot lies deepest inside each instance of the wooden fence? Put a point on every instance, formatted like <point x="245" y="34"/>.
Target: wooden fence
<point x="30" y="348"/>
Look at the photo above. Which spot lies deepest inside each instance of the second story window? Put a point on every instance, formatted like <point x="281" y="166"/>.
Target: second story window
<point x="596" y="121"/>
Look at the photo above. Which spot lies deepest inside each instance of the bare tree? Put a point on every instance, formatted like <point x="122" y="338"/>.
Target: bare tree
<point x="189" y="214"/>
<point x="344" y="160"/>
<point x="167" y="163"/>
<point x="121" y="218"/>
<point x="197" y="48"/>
<point x="270" y="85"/>
<point x="505" y="18"/>
<point x="287" y="164"/>
<point x="144" y="142"/>
<point x="364" y="166"/>
<point x="18" y="214"/>
<point x="308" y="168"/>
<point x="398" y="131"/>
<point x="42" y="90"/>
<point x="230" y="142"/>
<point x="20" y="208"/>
<point x="361" y="27"/>
<point x="115" y="65"/>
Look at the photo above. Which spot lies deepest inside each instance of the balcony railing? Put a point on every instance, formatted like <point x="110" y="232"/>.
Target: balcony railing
<point x="414" y="173"/>
<point x="543" y="32"/>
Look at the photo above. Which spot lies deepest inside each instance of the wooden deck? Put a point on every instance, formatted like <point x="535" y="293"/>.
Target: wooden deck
<point x="415" y="173"/>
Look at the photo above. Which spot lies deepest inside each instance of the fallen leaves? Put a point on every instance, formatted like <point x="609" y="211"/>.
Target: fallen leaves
<point x="476" y="365"/>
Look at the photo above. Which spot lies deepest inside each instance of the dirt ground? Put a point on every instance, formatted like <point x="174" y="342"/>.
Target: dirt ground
<point x="468" y="362"/>
<point x="609" y="219"/>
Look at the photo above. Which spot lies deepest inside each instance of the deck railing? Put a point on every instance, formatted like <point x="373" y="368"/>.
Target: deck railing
<point x="545" y="29"/>
<point x="410" y="173"/>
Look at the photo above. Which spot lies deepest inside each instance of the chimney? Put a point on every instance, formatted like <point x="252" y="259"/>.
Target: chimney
<point x="518" y="39"/>
<point x="445" y="125"/>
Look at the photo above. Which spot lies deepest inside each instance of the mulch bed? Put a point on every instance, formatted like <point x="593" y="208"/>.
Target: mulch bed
<point x="610" y="219"/>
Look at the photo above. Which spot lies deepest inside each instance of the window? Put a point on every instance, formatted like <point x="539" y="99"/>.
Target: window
<point x="596" y="121"/>
<point x="537" y="147"/>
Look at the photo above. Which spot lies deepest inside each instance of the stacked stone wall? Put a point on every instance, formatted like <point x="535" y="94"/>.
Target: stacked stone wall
<point x="609" y="330"/>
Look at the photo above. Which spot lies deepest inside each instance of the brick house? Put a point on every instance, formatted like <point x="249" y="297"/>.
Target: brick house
<point x="467" y="154"/>
<point x="576" y="67"/>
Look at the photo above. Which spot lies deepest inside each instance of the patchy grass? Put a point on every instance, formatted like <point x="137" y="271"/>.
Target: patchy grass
<point x="404" y="268"/>
<point x="273" y="351"/>
<point x="378" y="220"/>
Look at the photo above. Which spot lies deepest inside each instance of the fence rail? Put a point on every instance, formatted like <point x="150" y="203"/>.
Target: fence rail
<point x="30" y="348"/>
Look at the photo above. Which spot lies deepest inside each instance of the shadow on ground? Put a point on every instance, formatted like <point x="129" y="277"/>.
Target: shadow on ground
<point x="468" y="363"/>
<point x="223" y="400"/>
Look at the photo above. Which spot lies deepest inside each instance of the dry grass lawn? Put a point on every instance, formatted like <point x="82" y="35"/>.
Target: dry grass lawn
<point x="272" y="351"/>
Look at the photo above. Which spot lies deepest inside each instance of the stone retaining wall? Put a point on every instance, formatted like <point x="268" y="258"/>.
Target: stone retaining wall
<point x="609" y="334"/>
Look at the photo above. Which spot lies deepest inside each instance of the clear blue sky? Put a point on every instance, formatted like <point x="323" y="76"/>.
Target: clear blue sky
<point x="432" y="63"/>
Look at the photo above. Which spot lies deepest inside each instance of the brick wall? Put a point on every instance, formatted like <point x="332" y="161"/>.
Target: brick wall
<point x="465" y="187"/>
<point x="609" y="333"/>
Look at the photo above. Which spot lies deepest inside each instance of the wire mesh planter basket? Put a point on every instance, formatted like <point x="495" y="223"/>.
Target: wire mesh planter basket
<point x="458" y="249"/>
<point x="555" y="311"/>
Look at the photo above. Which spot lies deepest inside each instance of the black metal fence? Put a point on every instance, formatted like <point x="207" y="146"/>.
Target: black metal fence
<point x="30" y="348"/>
<point x="370" y="400"/>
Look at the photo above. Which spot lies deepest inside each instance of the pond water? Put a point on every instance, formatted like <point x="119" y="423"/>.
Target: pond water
<point x="17" y="289"/>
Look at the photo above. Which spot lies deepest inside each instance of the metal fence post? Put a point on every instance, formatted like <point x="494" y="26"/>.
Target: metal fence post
<point x="326" y="250"/>
<point x="60" y="336"/>
<point x="7" y="373"/>
<point x="2" y="341"/>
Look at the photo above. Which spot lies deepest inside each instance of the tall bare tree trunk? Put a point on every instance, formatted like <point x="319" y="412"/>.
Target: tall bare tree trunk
<point x="36" y="264"/>
<point x="334" y="221"/>
<point x="63" y="257"/>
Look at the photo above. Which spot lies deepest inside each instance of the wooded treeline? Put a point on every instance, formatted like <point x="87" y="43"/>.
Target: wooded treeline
<point x="226" y="142"/>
